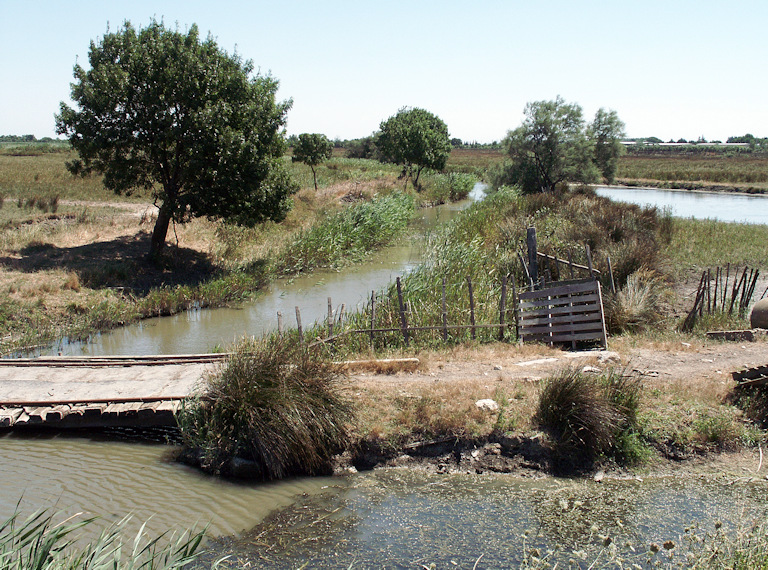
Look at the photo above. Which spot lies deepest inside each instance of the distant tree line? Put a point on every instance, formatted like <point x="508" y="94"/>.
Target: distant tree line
<point x="26" y="139"/>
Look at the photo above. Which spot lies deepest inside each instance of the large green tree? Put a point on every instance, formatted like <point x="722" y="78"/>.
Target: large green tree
<point x="549" y="149"/>
<point x="416" y="139"/>
<point x="606" y="132"/>
<point x="312" y="150"/>
<point x="165" y="111"/>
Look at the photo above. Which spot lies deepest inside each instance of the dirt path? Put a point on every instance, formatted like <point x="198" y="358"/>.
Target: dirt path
<point x="680" y="362"/>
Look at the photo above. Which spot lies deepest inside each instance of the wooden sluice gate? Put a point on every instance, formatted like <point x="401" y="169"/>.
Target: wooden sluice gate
<point x="90" y="392"/>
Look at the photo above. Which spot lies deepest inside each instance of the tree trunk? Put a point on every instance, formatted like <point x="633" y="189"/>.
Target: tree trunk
<point x="159" y="233"/>
<point x="314" y="176"/>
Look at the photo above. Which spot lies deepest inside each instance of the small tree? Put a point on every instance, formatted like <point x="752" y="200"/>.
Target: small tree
<point x="179" y="117"/>
<point x="415" y="138"/>
<point x="312" y="149"/>
<point x="606" y="132"/>
<point x="548" y="149"/>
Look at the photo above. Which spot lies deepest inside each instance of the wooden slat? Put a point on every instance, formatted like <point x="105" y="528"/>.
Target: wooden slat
<point x="559" y="301"/>
<point x="564" y="327"/>
<point x="556" y="319"/>
<point x="586" y="286"/>
<point x="560" y="311"/>
<point x="564" y="337"/>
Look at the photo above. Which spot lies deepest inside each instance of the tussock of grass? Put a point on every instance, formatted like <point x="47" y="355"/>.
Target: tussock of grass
<point x="636" y="306"/>
<point x="274" y="404"/>
<point x="589" y="416"/>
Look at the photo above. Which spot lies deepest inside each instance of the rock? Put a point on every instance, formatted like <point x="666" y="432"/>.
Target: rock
<point x="492" y="448"/>
<point x="758" y="318"/>
<point x="609" y="357"/>
<point x="599" y="476"/>
<point x="488" y="405"/>
<point x="591" y="370"/>
<point x="497" y="367"/>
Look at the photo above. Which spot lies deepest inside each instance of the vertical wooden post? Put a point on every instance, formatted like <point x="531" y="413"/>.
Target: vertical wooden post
<point x="570" y="263"/>
<point x="709" y="291"/>
<point x="610" y="272"/>
<point x="514" y="304"/>
<point x="502" y="306"/>
<point x="725" y="285"/>
<point x="298" y="325"/>
<point x="533" y="262"/>
<point x="445" y="316"/>
<point x="279" y="323"/>
<point x="330" y="317"/>
<point x="714" y="293"/>
<point x="589" y="261"/>
<point x="471" y="307"/>
<point x="341" y="313"/>
<point x="373" y="313"/>
<point x="403" y="319"/>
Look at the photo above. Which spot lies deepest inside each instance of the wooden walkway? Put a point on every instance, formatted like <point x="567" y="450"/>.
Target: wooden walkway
<point x="66" y="392"/>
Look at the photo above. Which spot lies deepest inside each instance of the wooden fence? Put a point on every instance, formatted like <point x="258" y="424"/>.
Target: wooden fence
<point x="564" y="312"/>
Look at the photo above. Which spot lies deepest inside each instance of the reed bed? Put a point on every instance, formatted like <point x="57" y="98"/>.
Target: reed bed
<point x="740" y="169"/>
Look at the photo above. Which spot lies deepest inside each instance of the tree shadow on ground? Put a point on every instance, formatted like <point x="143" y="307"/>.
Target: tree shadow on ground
<point x="121" y="262"/>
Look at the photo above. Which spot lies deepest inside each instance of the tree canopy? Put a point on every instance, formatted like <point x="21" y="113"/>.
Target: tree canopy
<point x="312" y="150"/>
<point x="606" y="132"/>
<point x="415" y="138"/>
<point x="549" y="148"/>
<point x="164" y="111"/>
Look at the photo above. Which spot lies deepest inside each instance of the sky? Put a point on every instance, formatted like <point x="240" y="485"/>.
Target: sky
<point x="670" y="69"/>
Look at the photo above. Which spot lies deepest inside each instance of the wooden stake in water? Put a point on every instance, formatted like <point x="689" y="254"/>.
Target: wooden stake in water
<point x="298" y="325"/>
<point x="330" y="317"/>
<point x="279" y="323"/>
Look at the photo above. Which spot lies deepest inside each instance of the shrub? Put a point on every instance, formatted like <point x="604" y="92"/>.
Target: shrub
<point x="274" y="404"/>
<point x="591" y="416"/>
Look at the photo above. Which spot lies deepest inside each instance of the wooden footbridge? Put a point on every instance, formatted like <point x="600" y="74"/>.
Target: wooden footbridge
<point x="66" y="392"/>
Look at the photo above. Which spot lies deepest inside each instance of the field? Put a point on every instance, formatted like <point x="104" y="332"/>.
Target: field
<point x="738" y="172"/>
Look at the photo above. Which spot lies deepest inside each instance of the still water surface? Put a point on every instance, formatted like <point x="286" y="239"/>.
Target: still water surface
<point x="722" y="206"/>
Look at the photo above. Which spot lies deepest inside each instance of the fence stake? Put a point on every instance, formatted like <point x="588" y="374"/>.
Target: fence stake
<point x="736" y="289"/>
<point x="725" y="287"/>
<point x="528" y="277"/>
<point x="373" y="313"/>
<point x="589" y="261"/>
<point x="298" y="324"/>
<point x="471" y="307"/>
<point x="403" y="319"/>
<point x="709" y="292"/>
<point x="514" y="304"/>
<point x="445" y="316"/>
<point x="279" y="323"/>
<point x="533" y="263"/>
<point x="502" y="306"/>
<point x="330" y="318"/>
<point x="610" y="272"/>
<point x="570" y="263"/>
<point x="714" y="293"/>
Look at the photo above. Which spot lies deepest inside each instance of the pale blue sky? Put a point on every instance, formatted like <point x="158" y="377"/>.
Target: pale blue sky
<point x="669" y="68"/>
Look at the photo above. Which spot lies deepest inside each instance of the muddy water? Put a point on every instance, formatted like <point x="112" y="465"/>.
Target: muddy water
<point x="407" y="519"/>
<point x="117" y="475"/>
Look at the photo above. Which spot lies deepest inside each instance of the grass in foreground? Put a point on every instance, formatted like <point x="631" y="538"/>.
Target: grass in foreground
<point x="38" y="543"/>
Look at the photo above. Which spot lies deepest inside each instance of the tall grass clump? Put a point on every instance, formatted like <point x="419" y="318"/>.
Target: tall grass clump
<point x="589" y="417"/>
<point x="348" y="235"/>
<point x="637" y="305"/>
<point x="274" y="405"/>
<point x="37" y="543"/>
